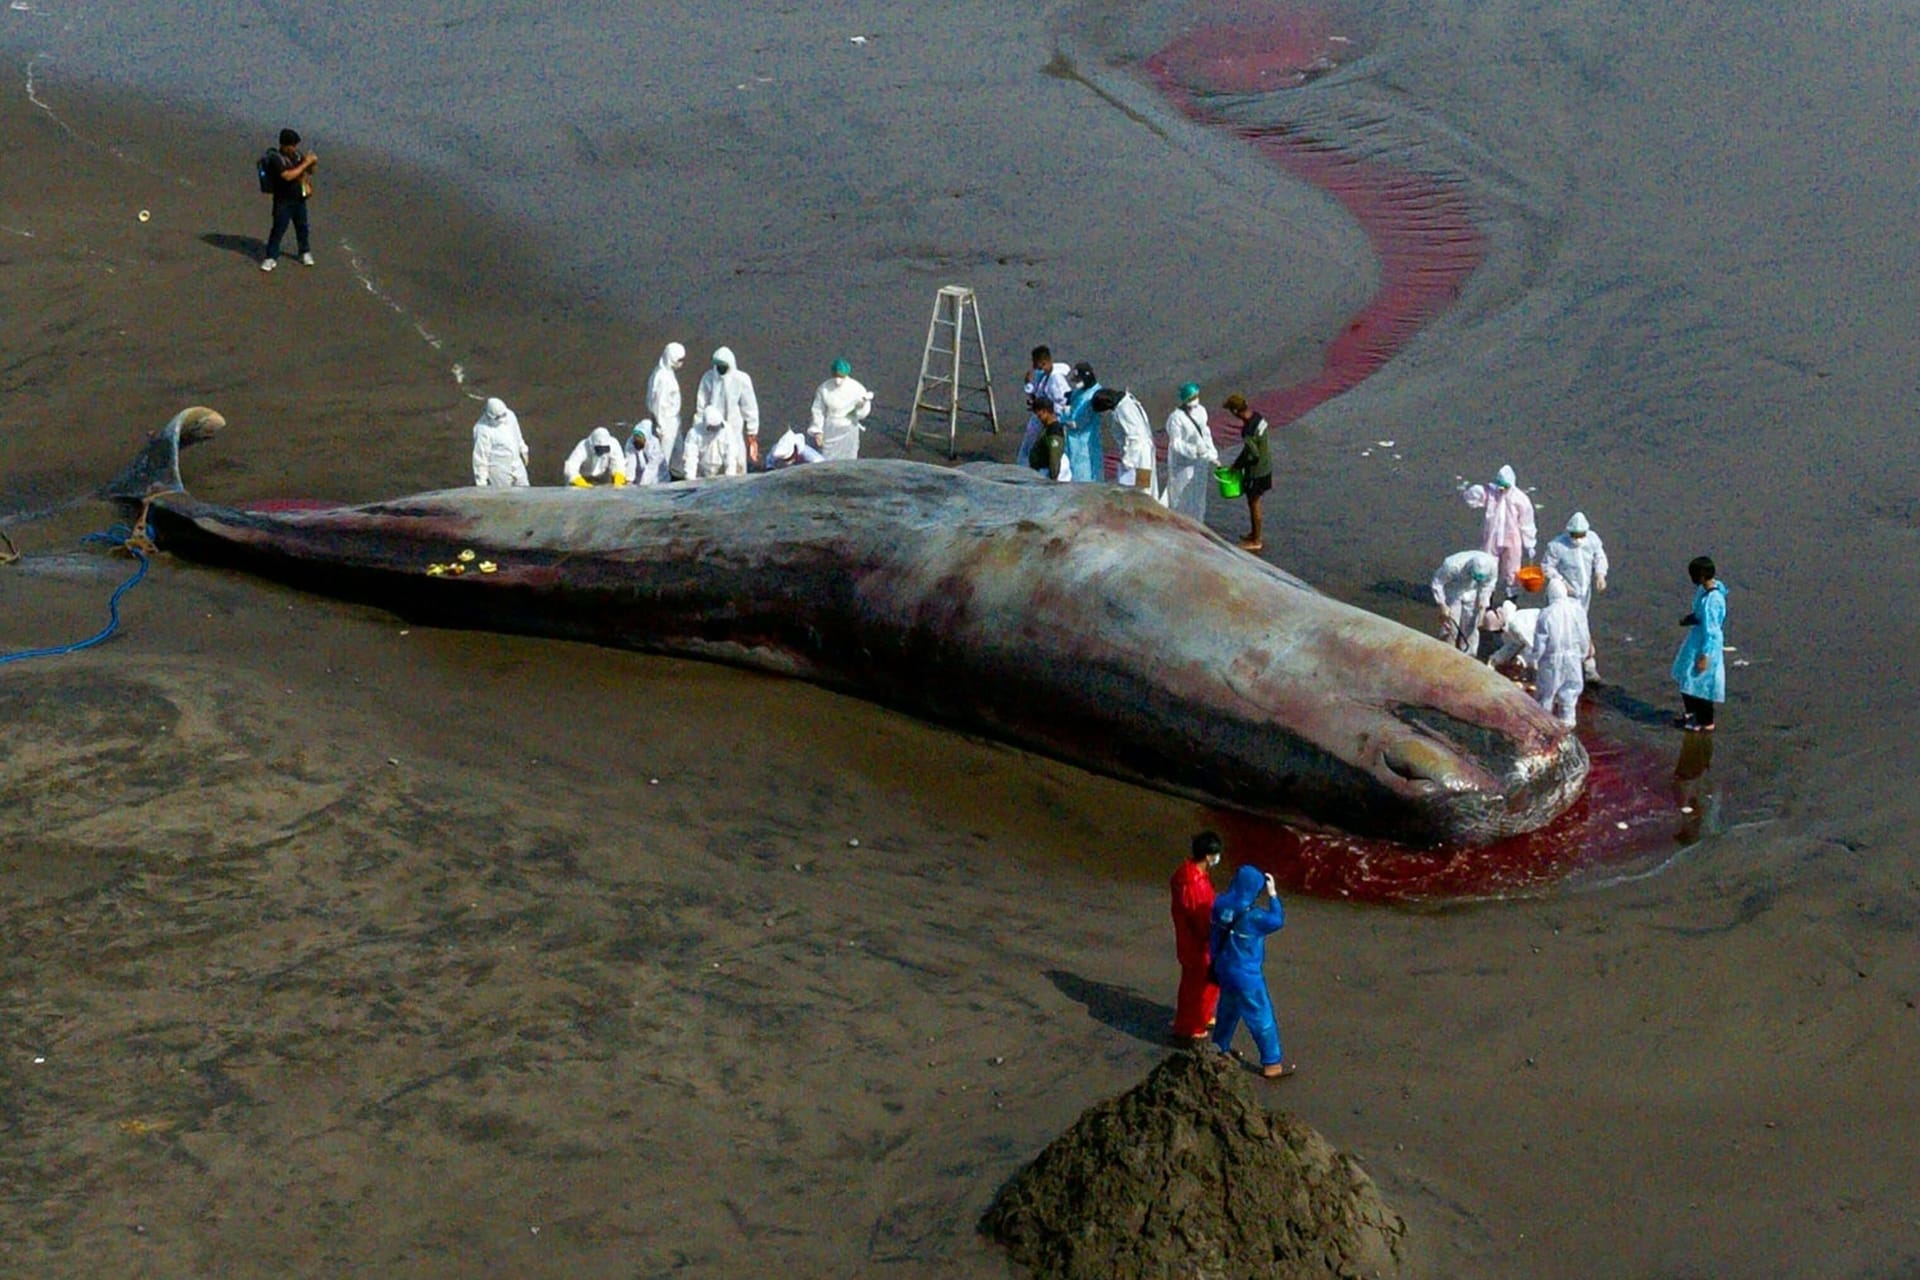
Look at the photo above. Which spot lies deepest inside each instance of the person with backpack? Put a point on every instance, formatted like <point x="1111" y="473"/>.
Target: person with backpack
<point x="286" y="175"/>
<point x="1239" y="950"/>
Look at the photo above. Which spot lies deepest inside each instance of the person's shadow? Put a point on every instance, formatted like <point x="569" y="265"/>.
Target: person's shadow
<point x="1121" y="1008"/>
<point x="245" y="246"/>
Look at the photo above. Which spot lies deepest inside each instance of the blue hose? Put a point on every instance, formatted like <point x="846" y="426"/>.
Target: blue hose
<point x="118" y="537"/>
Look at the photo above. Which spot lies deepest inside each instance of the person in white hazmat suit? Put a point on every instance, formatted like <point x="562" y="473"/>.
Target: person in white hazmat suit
<point x="1579" y="559"/>
<point x="499" y="450"/>
<point x="642" y="454"/>
<point x="597" y="459"/>
<point x="1559" y="652"/>
<point x="1191" y="455"/>
<point x="839" y="407"/>
<point x="792" y="450"/>
<point x="1463" y="588"/>
<point x="703" y="442"/>
<point x="1128" y="417"/>
<point x="663" y="406"/>
<point x="1515" y="627"/>
<point x="727" y="387"/>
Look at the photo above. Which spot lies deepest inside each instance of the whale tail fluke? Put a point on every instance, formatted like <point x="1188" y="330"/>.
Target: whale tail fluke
<point x="157" y="469"/>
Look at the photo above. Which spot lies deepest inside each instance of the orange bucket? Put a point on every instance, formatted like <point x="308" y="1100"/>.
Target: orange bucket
<point x="1531" y="576"/>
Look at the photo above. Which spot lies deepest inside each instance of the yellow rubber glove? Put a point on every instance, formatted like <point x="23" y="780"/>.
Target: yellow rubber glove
<point x="619" y="478"/>
<point x="580" y="482"/>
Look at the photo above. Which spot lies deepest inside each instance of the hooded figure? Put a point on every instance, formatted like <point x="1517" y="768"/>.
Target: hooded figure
<point x="727" y="388"/>
<point x="1129" y="417"/>
<point x="1086" y="456"/>
<point x="1507" y="531"/>
<point x="839" y="407"/>
<point x="1516" y="631"/>
<point x="1463" y="588"/>
<point x="1579" y="558"/>
<point x="597" y="459"/>
<point x="642" y="454"/>
<point x="499" y="451"/>
<point x="792" y="450"/>
<point x="1191" y="456"/>
<point x="1559" y="652"/>
<point x="663" y="406"/>
<point x="1240" y="932"/>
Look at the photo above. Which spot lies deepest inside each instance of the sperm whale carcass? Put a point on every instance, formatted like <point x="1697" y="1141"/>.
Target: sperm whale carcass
<point x="1081" y="621"/>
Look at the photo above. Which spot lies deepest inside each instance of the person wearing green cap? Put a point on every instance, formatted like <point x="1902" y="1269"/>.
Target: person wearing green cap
<point x="1191" y="455"/>
<point x="839" y="407"/>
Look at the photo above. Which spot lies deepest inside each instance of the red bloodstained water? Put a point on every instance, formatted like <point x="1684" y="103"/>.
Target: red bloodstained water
<point x="1629" y="820"/>
<point x="1420" y="229"/>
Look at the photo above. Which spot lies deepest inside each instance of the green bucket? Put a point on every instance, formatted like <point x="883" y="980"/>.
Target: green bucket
<point x="1229" y="481"/>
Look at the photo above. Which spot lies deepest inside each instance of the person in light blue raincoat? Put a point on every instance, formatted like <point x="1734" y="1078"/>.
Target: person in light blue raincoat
<point x="1700" y="668"/>
<point x="1086" y="459"/>
<point x="1240" y="931"/>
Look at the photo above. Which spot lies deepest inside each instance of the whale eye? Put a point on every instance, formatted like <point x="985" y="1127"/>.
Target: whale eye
<point x="1489" y="748"/>
<point x="1421" y="760"/>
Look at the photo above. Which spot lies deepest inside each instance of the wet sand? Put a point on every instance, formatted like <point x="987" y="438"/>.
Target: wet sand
<point x="345" y="947"/>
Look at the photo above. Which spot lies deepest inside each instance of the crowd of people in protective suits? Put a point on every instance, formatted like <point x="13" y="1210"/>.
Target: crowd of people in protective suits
<point x="720" y="437"/>
<point x="1553" y="644"/>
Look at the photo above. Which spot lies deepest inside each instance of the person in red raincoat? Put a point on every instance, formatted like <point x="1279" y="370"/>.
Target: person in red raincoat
<point x="1192" y="936"/>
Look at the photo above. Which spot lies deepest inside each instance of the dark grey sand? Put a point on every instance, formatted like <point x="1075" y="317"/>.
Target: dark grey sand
<point x="305" y="1011"/>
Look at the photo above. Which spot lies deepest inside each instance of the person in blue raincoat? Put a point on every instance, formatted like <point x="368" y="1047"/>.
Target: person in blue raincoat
<point x="1700" y="668"/>
<point x="1086" y="459"/>
<point x="1240" y="931"/>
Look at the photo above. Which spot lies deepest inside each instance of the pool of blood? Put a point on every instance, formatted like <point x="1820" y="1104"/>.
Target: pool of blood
<point x="1639" y="809"/>
<point x="1420" y="228"/>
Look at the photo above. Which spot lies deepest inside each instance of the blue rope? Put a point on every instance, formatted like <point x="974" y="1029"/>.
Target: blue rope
<point x="117" y="537"/>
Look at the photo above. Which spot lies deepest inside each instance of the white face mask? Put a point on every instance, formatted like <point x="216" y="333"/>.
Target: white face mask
<point x="1213" y="859"/>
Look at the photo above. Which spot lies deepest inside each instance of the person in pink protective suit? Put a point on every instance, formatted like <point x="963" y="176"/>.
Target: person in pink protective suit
<point x="1508" y="533"/>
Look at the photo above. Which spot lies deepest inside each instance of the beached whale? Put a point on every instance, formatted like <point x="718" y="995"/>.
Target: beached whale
<point x="1082" y="621"/>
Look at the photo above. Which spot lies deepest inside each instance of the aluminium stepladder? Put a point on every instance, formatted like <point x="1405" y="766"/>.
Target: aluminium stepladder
<point x="951" y="307"/>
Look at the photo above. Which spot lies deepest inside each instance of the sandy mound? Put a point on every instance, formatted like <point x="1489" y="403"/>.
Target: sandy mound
<point x="1188" y="1175"/>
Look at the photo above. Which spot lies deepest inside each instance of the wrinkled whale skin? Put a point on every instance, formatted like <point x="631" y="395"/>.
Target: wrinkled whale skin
<point x="1082" y="621"/>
